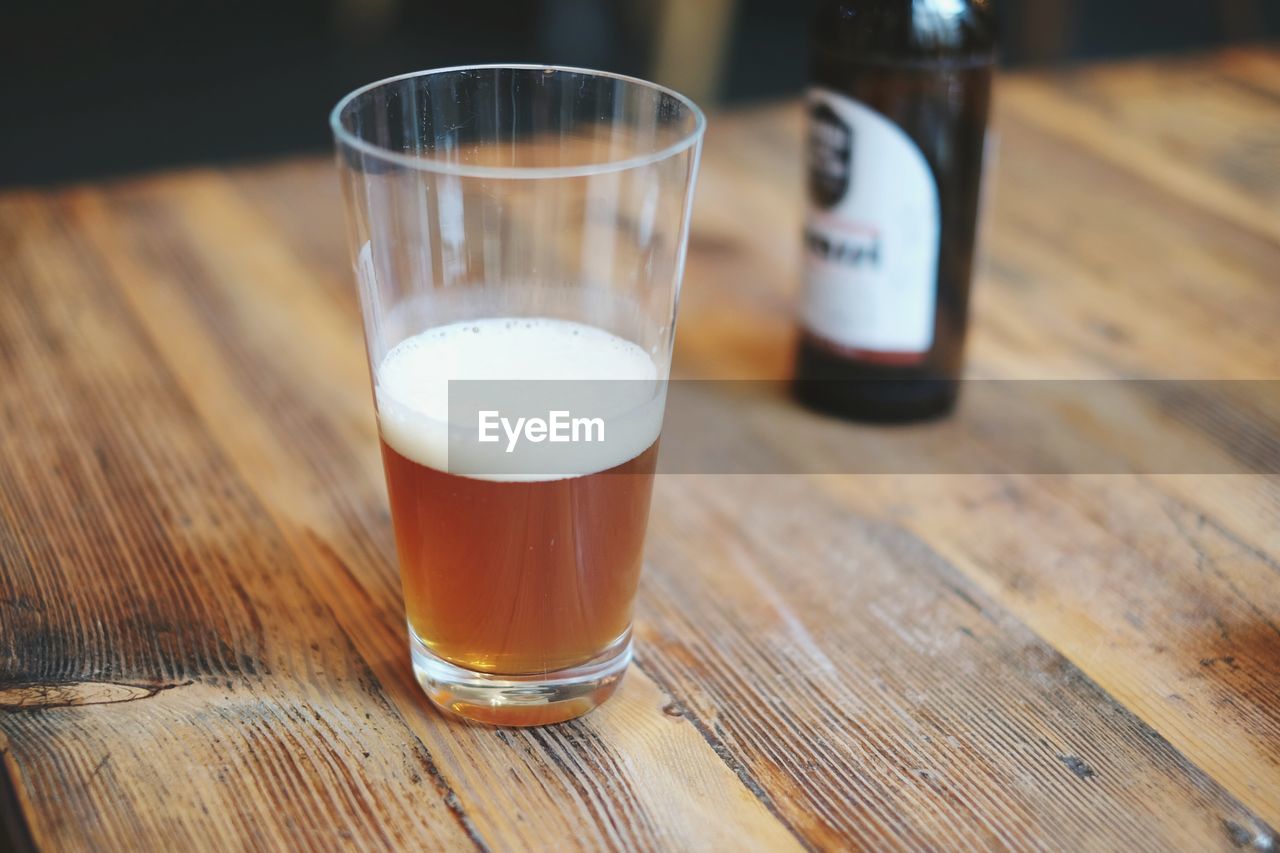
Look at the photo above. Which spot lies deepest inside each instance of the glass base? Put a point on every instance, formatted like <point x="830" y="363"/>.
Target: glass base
<point x="520" y="700"/>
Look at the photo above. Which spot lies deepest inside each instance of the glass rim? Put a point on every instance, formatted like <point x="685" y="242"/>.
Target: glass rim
<point x="349" y="139"/>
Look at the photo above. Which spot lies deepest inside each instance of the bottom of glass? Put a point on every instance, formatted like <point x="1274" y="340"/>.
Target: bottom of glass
<point x="520" y="700"/>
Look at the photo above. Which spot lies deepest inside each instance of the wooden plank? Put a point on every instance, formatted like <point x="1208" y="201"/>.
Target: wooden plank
<point x="169" y="677"/>
<point x="1206" y="141"/>
<point x="1144" y="594"/>
<point x="1222" y="125"/>
<point x="889" y="699"/>
<point x="1254" y="68"/>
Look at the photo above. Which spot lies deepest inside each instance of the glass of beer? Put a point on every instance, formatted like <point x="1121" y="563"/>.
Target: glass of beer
<point x="518" y="227"/>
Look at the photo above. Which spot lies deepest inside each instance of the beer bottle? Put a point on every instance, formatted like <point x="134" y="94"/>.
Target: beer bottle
<point x="897" y="122"/>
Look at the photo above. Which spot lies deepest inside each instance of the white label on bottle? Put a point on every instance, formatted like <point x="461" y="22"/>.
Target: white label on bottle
<point x="871" y="239"/>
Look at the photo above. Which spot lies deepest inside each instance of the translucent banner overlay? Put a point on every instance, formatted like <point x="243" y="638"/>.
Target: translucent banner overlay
<point x="505" y="429"/>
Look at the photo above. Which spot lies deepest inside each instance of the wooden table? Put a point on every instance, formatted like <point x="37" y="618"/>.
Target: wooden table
<point x="201" y="636"/>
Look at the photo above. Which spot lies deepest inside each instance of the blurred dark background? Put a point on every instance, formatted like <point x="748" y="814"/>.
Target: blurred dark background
<point x="101" y="87"/>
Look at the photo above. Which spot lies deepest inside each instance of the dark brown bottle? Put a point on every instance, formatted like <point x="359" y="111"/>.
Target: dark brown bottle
<point x="897" y="128"/>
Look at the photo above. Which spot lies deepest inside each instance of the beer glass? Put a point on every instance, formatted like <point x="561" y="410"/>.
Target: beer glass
<point x="517" y="223"/>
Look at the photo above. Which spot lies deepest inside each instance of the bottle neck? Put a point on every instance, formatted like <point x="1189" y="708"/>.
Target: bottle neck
<point x="907" y="32"/>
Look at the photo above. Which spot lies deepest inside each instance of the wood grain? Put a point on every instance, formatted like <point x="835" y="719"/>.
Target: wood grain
<point x="342" y="527"/>
<point x="201" y="635"/>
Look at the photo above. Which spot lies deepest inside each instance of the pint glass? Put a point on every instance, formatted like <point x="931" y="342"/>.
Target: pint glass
<point x="517" y="223"/>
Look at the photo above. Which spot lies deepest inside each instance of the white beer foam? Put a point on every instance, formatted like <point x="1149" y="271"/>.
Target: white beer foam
<point x="412" y="388"/>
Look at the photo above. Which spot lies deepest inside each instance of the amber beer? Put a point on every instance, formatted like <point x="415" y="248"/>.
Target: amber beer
<point x="519" y="577"/>
<point x="505" y="571"/>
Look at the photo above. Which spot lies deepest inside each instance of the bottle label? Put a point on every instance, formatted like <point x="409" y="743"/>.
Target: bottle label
<point x="871" y="238"/>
